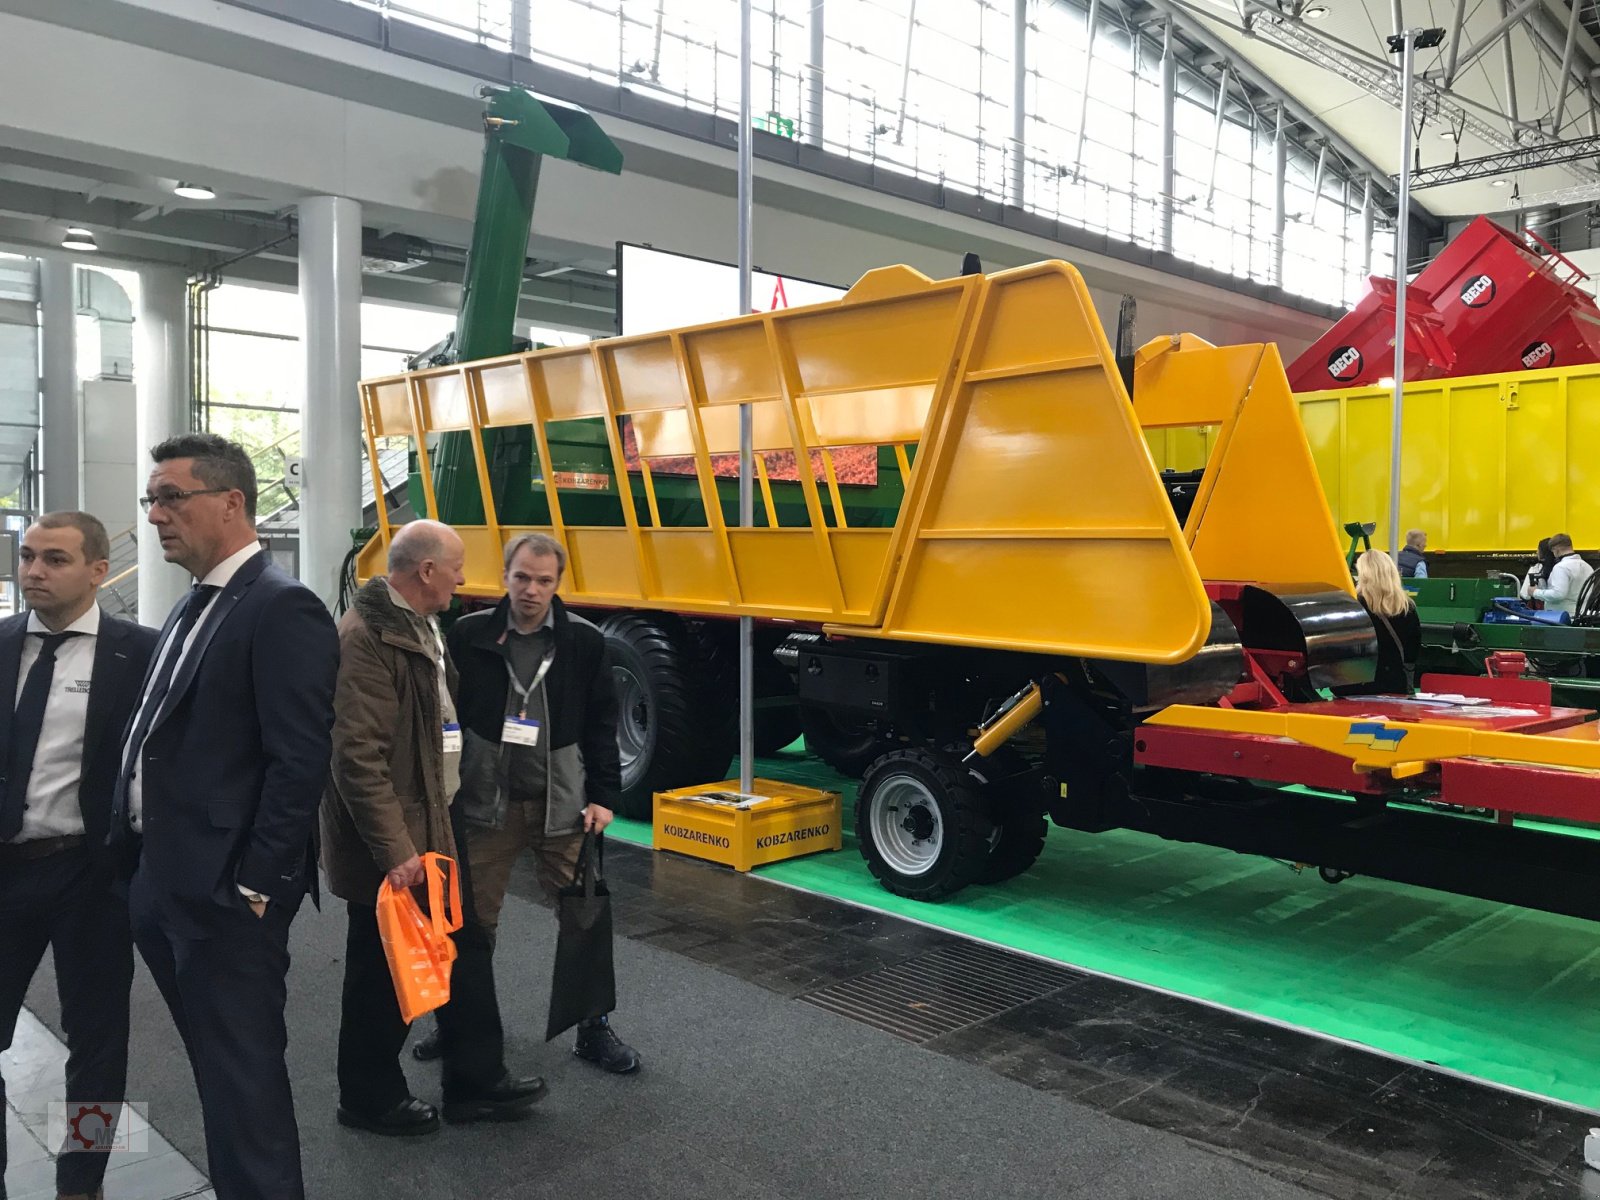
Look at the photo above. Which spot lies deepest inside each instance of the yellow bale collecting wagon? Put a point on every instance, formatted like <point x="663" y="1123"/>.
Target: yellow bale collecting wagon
<point x="1036" y="622"/>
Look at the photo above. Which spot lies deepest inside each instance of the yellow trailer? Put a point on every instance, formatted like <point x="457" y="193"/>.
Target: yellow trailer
<point x="1043" y="623"/>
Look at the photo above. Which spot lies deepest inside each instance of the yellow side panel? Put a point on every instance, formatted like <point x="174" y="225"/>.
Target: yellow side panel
<point x="569" y="379"/>
<point x="1536" y="449"/>
<point x="1324" y="427"/>
<point x="391" y="406"/>
<point x="601" y="563"/>
<point x="860" y="554"/>
<point x="1038" y="488"/>
<point x="781" y="570"/>
<point x="731" y="363"/>
<point x="881" y="417"/>
<point x="688" y="566"/>
<point x="1477" y="470"/>
<point x="1490" y="463"/>
<point x="1180" y="448"/>
<point x="485" y="576"/>
<point x="505" y="393"/>
<point x="1583" y="467"/>
<point x="1260" y="514"/>
<point x="444" y="400"/>
<point x="646" y="373"/>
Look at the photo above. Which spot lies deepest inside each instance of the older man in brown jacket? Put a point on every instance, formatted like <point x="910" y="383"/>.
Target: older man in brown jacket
<point x="396" y="749"/>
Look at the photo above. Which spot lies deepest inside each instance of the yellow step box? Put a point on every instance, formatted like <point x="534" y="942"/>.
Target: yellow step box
<point x="776" y="821"/>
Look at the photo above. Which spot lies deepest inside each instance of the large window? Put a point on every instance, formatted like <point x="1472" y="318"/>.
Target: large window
<point x="925" y="87"/>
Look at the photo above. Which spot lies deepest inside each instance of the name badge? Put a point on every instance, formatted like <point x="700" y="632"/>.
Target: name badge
<point x="452" y="738"/>
<point x="520" y="731"/>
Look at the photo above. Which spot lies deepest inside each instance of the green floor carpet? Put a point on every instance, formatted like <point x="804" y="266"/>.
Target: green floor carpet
<point x="1496" y="992"/>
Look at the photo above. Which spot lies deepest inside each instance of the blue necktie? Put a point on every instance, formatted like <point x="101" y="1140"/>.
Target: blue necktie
<point x="26" y="725"/>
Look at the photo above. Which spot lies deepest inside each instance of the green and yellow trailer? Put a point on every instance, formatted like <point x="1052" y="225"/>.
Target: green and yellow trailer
<point x="1027" y="620"/>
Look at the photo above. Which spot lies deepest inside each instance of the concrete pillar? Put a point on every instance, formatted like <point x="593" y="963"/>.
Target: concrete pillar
<point x="161" y="390"/>
<point x="58" y="410"/>
<point x="330" y="410"/>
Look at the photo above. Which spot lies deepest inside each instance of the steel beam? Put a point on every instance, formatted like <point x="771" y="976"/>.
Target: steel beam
<point x="1510" y="74"/>
<point x="1460" y="28"/>
<point x="1487" y="41"/>
<point x="1169" y="135"/>
<point x="1566" y="65"/>
<point x="1083" y="91"/>
<point x="1216" y="135"/>
<point x="1502" y="164"/>
<point x="905" y="73"/>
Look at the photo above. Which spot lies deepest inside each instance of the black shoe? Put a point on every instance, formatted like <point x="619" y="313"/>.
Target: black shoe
<point x="410" y="1118"/>
<point x="599" y="1044"/>
<point x="427" y="1049"/>
<point x="505" y="1101"/>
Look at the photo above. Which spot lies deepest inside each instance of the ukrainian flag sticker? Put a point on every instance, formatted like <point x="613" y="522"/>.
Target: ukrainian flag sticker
<point x="1375" y="734"/>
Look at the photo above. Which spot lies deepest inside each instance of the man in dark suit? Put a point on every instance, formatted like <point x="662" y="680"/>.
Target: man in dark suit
<point x="69" y="676"/>
<point x="221" y="777"/>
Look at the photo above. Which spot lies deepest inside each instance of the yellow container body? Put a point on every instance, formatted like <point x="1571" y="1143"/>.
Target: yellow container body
<point x="1489" y="463"/>
<point x="788" y="822"/>
<point x="1033" y="519"/>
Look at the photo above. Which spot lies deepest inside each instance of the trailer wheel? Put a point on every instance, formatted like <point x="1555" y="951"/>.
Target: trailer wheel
<point x="665" y="736"/>
<point x="848" y="746"/>
<point x="1018" y="814"/>
<point x="922" y="822"/>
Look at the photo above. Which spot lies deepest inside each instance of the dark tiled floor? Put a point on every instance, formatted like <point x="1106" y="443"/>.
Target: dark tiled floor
<point x="1331" y="1118"/>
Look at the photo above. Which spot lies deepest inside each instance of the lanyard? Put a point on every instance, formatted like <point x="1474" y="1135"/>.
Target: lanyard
<point x="538" y="677"/>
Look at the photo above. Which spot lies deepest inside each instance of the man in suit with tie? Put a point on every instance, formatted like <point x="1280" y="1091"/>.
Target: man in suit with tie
<point x="221" y="778"/>
<point x="70" y="675"/>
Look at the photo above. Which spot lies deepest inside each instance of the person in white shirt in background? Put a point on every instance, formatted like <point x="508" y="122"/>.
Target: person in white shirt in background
<point x="71" y="677"/>
<point x="1561" y="589"/>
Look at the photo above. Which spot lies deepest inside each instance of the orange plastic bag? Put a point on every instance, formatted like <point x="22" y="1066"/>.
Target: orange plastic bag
<point x="418" y="944"/>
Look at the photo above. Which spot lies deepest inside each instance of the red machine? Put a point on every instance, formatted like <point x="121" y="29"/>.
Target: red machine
<point x="1492" y="302"/>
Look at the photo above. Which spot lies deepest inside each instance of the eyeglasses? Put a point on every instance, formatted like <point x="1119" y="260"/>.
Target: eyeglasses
<point x="173" y="497"/>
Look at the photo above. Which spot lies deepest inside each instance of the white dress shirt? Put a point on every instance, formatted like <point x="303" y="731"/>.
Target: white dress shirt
<point x="52" y="803"/>
<point x="219" y="577"/>
<point x="1560" y="593"/>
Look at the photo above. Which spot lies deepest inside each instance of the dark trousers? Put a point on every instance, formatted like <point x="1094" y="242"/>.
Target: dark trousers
<point x="66" y="902"/>
<point x="223" y="975"/>
<point x="372" y="1032"/>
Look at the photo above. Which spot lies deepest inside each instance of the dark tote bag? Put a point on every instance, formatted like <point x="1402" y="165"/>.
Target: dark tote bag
<point x="584" y="984"/>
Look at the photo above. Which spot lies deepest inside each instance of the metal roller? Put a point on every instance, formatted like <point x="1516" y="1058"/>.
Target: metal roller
<point x="1331" y="630"/>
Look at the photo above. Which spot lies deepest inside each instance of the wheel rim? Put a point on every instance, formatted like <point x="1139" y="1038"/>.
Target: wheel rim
<point x="906" y="827"/>
<point x="633" y="723"/>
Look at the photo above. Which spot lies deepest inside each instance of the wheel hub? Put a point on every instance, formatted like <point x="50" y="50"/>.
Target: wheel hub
<point x="905" y="825"/>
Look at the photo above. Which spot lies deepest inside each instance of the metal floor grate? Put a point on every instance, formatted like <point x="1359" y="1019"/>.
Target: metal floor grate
<point x="939" y="992"/>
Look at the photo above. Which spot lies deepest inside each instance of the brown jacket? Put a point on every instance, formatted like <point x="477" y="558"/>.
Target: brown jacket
<point x="386" y="795"/>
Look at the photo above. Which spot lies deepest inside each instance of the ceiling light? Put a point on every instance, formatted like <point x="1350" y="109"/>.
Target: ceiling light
<point x="79" y="238"/>
<point x="1499" y="183"/>
<point x="1315" y="12"/>
<point x="611" y="270"/>
<point x="194" y="191"/>
<point x="1449" y="135"/>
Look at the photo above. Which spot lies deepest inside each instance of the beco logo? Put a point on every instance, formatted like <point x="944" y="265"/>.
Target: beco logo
<point x="1477" y="292"/>
<point x="1344" y="364"/>
<point x="1538" y="354"/>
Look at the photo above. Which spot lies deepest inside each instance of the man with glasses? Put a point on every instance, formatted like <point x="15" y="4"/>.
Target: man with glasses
<point x="216" y="804"/>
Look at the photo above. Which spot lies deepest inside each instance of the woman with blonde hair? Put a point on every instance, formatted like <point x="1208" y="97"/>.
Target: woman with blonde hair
<point x="1394" y="615"/>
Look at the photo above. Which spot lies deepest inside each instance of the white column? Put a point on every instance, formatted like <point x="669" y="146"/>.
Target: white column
<point x="59" y="410"/>
<point x="330" y="411"/>
<point x="161" y="389"/>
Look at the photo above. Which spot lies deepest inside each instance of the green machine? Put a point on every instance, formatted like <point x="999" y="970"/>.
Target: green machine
<point x="521" y="130"/>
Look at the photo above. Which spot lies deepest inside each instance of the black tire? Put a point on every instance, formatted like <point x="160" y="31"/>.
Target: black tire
<point x="664" y="734"/>
<point x="848" y="746"/>
<point x="907" y="793"/>
<point x="1018" y="815"/>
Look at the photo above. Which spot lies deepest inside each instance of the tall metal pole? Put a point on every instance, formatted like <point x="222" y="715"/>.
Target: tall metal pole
<point x="1019" y="103"/>
<point x="1407" y="59"/>
<point x="747" y="660"/>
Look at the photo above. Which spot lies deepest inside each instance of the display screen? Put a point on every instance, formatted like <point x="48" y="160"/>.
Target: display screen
<point x="660" y="290"/>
